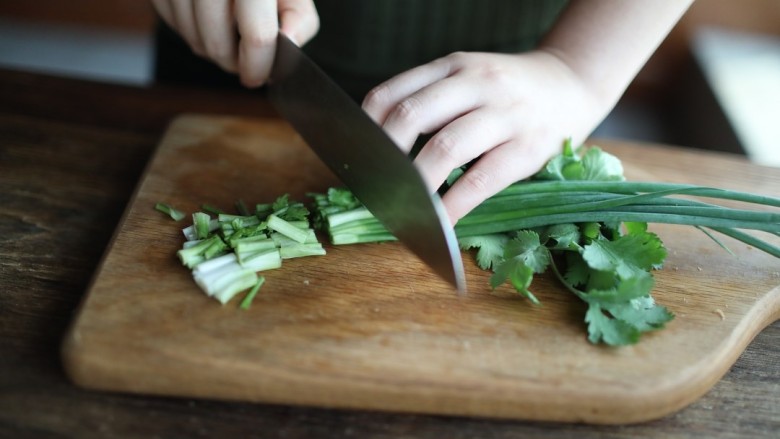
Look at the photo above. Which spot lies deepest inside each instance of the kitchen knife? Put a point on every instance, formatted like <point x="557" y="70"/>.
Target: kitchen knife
<point x="365" y="159"/>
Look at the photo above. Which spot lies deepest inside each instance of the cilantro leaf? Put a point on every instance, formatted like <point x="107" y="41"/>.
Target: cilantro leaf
<point x="293" y="212"/>
<point x="288" y="210"/>
<point x="554" y="170"/>
<point x="524" y="255"/>
<point x="611" y="229"/>
<point x="519" y="275"/>
<point x="566" y="236"/>
<point x="343" y="198"/>
<point x="598" y="165"/>
<point x="627" y="256"/>
<point x="619" y="315"/>
<point x="591" y="230"/>
<point x="280" y="203"/>
<point x="491" y="248"/>
<point x="594" y="164"/>
<point x="634" y="227"/>
<point x="601" y="280"/>
<point x="625" y="291"/>
<point x="642" y="313"/>
<point x="602" y="328"/>
<point x="526" y="246"/>
<point x="577" y="271"/>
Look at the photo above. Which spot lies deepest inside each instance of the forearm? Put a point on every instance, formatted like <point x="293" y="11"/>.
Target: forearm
<point x="606" y="42"/>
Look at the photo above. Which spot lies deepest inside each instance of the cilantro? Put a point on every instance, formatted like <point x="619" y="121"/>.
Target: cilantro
<point x="643" y="313"/>
<point x="634" y="227"/>
<point x="611" y="229"/>
<point x="624" y="291"/>
<point x="591" y="230"/>
<point x="594" y="165"/>
<point x="519" y="274"/>
<point x="564" y="236"/>
<point x="342" y="198"/>
<point x="619" y="315"/>
<point x="598" y="165"/>
<point x="281" y="202"/>
<point x="577" y="271"/>
<point x="526" y="247"/>
<point x="607" y="269"/>
<point x="556" y="168"/>
<point x="627" y="256"/>
<point x="524" y="255"/>
<point x="294" y="212"/>
<point x="288" y="210"/>
<point x="602" y="328"/>
<point x="491" y="248"/>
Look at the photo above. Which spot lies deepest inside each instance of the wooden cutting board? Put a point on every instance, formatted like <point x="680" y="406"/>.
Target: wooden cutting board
<point x="370" y="327"/>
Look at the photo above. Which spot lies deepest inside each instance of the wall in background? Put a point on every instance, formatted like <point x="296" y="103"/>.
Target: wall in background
<point x="755" y="16"/>
<point x="125" y="15"/>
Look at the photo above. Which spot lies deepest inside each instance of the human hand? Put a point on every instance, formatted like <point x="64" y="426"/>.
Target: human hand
<point x="511" y="111"/>
<point x="240" y="35"/>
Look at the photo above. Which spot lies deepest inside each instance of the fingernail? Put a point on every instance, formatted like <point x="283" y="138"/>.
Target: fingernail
<point x="292" y="38"/>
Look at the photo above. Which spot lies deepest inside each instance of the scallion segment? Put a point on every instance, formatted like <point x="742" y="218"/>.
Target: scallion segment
<point x="291" y="231"/>
<point x="250" y="296"/>
<point x="175" y="214"/>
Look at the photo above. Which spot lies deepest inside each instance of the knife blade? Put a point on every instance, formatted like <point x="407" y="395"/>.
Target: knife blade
<point x="364" y="158"/>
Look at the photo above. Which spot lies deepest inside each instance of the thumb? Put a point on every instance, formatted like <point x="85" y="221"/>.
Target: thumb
<point x="298" y="20"/>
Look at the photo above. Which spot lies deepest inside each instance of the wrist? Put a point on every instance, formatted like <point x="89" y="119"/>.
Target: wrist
<point x="596" y="95"/>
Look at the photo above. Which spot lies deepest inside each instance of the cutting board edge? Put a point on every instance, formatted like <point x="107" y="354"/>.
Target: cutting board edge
<point x="83" y="376"/>
<point x="84" y="368"/>
<point x="68" y="353"/>
<point x="171" y="127"/>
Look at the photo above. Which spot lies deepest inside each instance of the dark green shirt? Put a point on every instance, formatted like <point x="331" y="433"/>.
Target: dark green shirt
<point x="362" y="43"/>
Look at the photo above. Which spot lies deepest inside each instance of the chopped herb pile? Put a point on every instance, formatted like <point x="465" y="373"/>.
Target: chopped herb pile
<point x="226" y="252"/>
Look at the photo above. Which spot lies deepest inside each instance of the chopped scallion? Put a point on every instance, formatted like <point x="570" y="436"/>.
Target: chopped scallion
<point x="171" y="211"/>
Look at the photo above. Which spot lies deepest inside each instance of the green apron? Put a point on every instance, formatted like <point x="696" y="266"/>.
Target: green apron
<point x="362" y="43"/>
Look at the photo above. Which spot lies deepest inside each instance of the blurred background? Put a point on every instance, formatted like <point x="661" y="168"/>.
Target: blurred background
<point x="713" y="84"/>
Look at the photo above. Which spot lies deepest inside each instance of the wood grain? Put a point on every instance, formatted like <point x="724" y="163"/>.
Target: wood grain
<point x="371" y="327"/>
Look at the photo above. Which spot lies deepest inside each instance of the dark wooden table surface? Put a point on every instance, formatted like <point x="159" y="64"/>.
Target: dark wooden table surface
<point x="71" y="153"/>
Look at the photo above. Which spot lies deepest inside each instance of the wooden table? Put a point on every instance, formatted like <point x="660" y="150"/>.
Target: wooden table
<point x="71" y="153"/>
